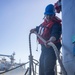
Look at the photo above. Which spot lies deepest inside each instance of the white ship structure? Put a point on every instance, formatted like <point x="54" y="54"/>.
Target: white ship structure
<point x="10" y="67"/>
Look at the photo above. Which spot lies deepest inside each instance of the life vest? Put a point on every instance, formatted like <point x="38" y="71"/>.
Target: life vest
<point x="45" y="27"/>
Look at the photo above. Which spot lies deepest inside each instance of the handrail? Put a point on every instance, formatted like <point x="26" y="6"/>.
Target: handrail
<point x="56" y="52"/>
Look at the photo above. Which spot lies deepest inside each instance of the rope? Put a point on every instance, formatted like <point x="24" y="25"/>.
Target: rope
<point x="56" y="52"/>
<point x="31" y="66"/>
<point x="26" y="71"/>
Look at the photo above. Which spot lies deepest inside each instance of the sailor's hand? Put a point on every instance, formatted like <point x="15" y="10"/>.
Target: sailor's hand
<point x="47" y="44"/>
<point x="32" y="30"/>
<point x="52" y="39"/>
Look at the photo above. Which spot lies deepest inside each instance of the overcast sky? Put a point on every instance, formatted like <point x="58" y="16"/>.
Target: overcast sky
<point x="17" y="17"/>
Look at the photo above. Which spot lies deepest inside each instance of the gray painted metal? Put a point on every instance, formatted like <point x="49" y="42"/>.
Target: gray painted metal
<point x="68" y="31"/>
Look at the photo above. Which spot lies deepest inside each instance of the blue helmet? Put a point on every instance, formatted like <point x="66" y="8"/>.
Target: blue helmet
<point x="49" y="10"/>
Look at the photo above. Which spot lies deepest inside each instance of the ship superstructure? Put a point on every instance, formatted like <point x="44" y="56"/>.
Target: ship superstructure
<point x="11" y="67"/>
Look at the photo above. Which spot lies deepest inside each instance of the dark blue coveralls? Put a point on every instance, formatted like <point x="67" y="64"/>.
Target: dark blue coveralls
<point x="48" y="57"/>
